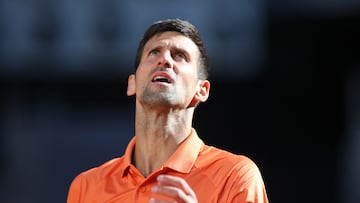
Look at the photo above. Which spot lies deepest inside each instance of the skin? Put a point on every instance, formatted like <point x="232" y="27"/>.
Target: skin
<point x="164" y="110"/>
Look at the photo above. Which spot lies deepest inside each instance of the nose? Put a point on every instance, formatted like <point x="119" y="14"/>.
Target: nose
<point x="165" y="60"/>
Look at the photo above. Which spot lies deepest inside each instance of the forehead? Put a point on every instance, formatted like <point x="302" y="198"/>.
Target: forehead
<point x="172" y="39"/>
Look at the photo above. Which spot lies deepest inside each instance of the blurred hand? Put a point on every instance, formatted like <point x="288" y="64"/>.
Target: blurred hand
<point x="175" y="188"/>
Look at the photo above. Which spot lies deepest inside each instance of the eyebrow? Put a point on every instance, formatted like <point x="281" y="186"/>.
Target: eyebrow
<point x="172" y="48"/>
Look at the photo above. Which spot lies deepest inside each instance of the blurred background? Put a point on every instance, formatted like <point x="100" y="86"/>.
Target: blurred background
<point x="285" y="90"/>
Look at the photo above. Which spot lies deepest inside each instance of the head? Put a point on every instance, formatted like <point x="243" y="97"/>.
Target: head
<point x="185" y="28"/>
<point x="171" y="66"/>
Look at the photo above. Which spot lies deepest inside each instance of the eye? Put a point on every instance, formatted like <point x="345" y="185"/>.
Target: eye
<point x="179" y="56"/>
<point x="154" y="52"/>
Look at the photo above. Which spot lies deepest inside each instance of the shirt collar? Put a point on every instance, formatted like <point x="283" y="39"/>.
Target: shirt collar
<point x="182" y="160"/>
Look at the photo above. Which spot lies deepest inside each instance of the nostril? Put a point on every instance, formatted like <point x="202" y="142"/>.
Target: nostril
<point x="164" y="64"/>
<point x="165" y="60"/>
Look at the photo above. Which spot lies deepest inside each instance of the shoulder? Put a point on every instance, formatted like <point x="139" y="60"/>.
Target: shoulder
<point x="110" y="167"/>
<point x="235" y="164"/>
<point x="89" y="180"/>
<point x="220" y="155"/>
<point x="238" y="174"/>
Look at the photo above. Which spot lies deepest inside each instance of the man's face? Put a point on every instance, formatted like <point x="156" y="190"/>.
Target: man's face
<point x="168" y="71"/>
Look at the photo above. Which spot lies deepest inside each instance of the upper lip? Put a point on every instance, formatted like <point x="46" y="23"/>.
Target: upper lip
<point x="161" y="75"/>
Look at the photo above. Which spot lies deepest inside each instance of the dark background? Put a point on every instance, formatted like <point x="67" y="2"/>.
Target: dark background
<point x="285" y="91"/>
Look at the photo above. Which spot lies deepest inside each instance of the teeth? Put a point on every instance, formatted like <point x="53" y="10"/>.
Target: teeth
<point x="160" y="79"/>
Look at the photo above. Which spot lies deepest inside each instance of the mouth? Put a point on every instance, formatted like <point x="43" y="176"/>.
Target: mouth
<point x="162" y="78"/>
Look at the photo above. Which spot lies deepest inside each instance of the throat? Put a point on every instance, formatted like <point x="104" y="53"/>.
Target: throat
<point x="148" y="163"/>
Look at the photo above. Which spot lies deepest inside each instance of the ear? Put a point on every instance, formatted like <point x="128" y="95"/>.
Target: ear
<point x="131" y="88"/>
<point x="202" y="93"/>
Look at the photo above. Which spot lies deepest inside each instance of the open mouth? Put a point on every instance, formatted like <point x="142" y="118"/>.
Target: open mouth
<point x="161" y="79"/>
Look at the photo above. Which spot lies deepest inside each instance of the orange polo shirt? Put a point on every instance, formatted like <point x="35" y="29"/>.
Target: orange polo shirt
<point x="215" y="175"/>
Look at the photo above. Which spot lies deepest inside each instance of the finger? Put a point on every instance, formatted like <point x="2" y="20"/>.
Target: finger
<point x="171" y="192"/>
<point x="153" y="200"/>
<point x="175" y="181"/>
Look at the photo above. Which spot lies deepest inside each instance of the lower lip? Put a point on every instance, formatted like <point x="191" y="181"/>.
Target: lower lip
<point x="162" y="83"/>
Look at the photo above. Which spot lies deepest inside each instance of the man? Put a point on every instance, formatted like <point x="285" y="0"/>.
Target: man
<point x="166" y="161"/>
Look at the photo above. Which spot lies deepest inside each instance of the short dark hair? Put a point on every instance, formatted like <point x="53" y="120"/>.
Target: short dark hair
<point x="183" y="27"/>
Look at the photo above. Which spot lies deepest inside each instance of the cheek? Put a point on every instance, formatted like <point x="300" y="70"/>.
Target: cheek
<point x="148" y="60"/>
<point x="142" y="68"/>
<point x="190" y="76"/>
<point x="190" y="84"/>
<point x="140" y="75"/>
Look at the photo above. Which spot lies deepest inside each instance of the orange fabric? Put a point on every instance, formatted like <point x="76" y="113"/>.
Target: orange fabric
<point x="214" y="174"/>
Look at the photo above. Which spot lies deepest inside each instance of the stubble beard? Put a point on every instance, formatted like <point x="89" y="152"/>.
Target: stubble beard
<point x="153" y="98"/>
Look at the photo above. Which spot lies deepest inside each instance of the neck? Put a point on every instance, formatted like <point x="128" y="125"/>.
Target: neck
<point x="157" y="139"/>
<point x="159" y="132"/>
<point x="150" y="153"/>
